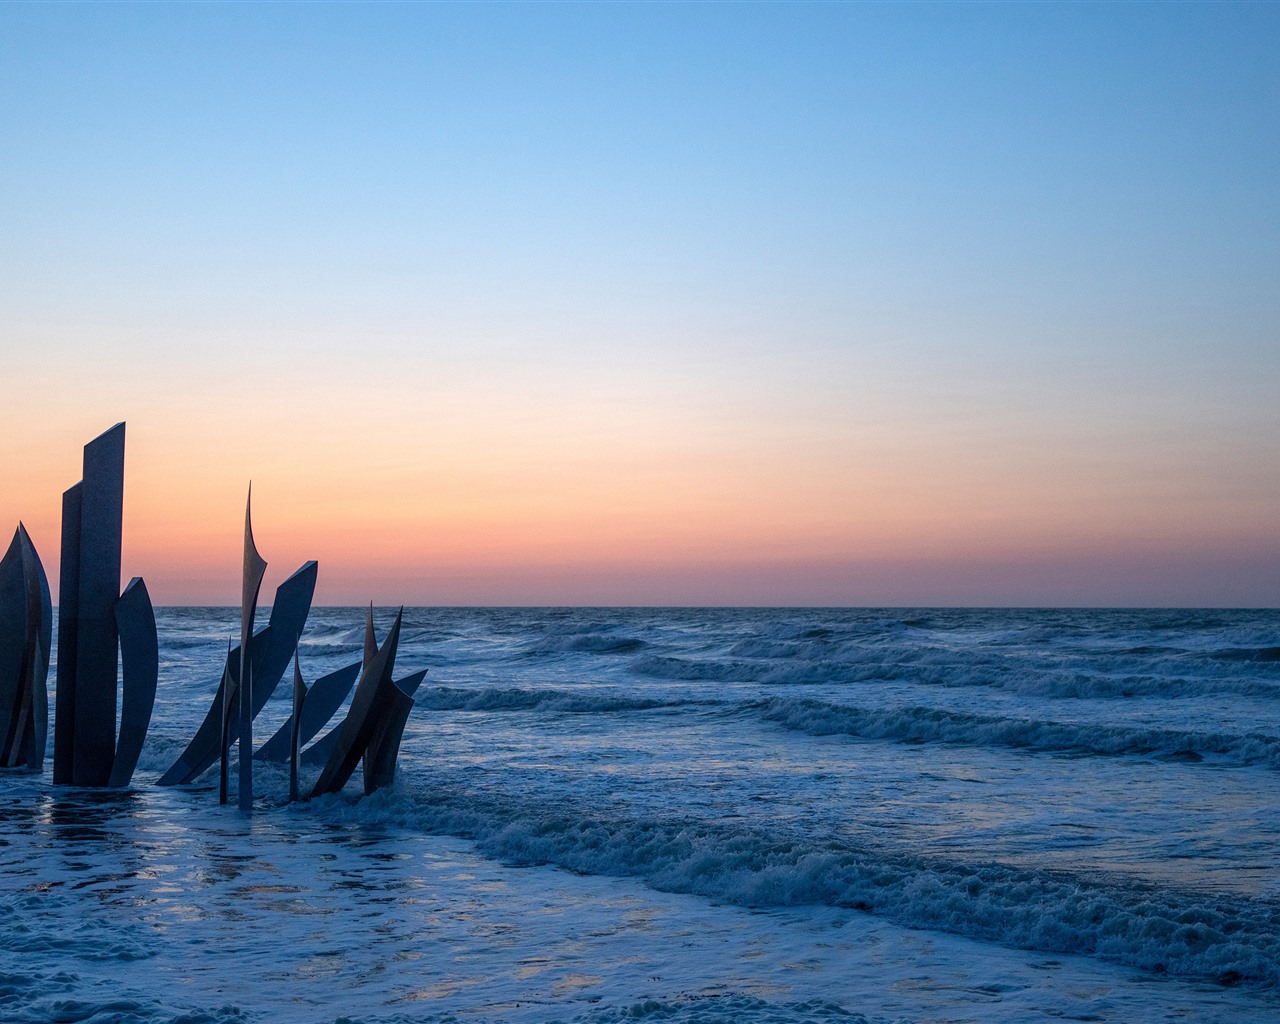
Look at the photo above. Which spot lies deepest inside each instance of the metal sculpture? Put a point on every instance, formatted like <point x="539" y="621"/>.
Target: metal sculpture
<point x="85" y="749"/>
<point x="255" y="567"/>
<point x="26" y="623"/>
<point x="323" y="698"/>
<point x="318" y="752"/>
<point x="222" y="700"/>
<point x="84" y="733"/>
<point x="384" y="745"/>
<point x="139" y="670"/>
<point x="370" y="641"/>
<point x="299" y="695"/>
<point x="100" y="634"/>
<point x="64" y="723"/>
<point x="270" y="650"/>
<point x="372" y="697"/>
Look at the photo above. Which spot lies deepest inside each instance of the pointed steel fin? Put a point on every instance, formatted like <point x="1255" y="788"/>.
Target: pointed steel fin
<point x="357" y="728"/>
<point x="370" y="641"/>
<point x="384" y="744"/>
<point x="324" y="697"/>
<point x="15" y="630"/>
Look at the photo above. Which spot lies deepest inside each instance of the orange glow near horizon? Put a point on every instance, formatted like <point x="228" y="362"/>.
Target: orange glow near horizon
<point x="461" y="479"/>
<point x="562" y="521"/>
<point x="509" y="304"/>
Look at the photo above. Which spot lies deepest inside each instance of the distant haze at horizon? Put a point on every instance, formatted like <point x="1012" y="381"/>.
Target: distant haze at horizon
<point x="871" y="305"/>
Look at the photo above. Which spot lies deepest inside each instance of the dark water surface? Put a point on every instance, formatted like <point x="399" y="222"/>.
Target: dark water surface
<point x="695" y="814"/>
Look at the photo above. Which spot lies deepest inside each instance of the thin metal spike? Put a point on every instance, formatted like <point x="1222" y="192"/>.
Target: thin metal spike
<point x="370" y="641"/>
<point x="223" y="745"/>
<point x="299" y="697"/>
<point x="255" y="567"/>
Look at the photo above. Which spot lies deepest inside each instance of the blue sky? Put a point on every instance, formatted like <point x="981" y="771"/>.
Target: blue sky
<point x="983" y="285"/>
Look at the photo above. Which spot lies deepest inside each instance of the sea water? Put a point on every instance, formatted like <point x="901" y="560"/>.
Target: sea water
<point x="694" y="815"/>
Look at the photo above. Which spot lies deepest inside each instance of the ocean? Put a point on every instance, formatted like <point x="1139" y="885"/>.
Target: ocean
<point x="693" y="815"/>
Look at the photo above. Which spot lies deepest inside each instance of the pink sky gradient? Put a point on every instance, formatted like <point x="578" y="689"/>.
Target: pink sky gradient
<point x="653" y="304"/>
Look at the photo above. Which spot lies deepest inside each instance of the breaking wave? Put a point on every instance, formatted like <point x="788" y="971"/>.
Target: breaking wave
<point x="1230" y="940"/>
<point x="770" y="662"/>
<point x="936" y="725"/>
<point x="588" y="643"/>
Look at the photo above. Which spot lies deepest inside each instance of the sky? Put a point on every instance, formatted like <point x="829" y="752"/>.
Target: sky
<point x="653" y="303"/>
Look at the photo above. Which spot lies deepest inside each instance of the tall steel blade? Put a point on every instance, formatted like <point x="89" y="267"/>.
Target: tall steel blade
<point x="97" y="642"/>
<point x="255" y="567"/>
<point x="64" y="701"/>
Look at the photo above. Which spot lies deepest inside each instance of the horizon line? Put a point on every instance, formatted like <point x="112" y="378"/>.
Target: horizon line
<point x="769" y="607"/>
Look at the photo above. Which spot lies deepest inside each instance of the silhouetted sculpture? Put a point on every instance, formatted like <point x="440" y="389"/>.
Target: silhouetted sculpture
<point x="84" y="740"/>
<point x="255" y="567"/>
<point x="295" y="719"/>
<point x="384" y="745"/>
<point x="139" y="669"/>
<point x="26" y="626"/>
<point x="318" y="752"/>
<point x="323" y="698"/>
<point x="269" y="652"/>
<point x="100" y="634"/>
<point x="374" y="701"/>
<point x="221" y="704"/>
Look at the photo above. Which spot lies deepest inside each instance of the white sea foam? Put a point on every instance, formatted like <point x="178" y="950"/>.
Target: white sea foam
<point x="1185" y="934"/>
